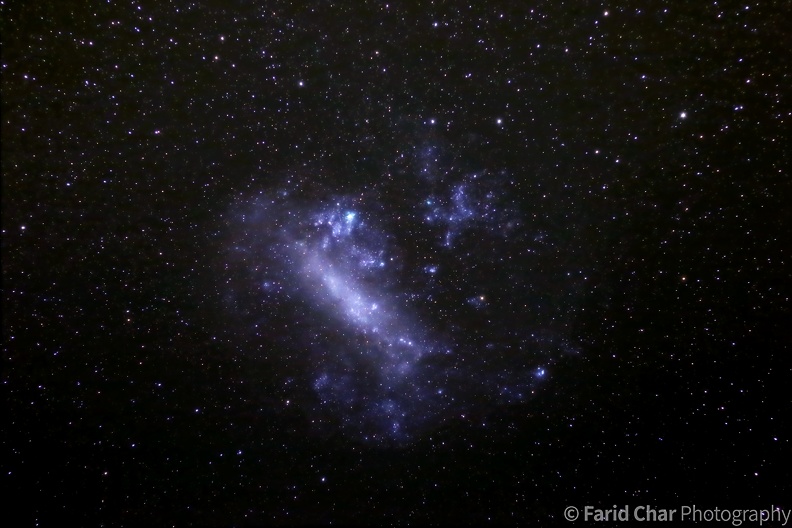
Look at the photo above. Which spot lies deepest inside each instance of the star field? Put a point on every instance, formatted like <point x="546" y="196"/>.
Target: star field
<point x="390" y="263"/>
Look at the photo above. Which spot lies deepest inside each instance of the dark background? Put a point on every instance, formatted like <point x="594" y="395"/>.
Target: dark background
<point x="128" y="129"/>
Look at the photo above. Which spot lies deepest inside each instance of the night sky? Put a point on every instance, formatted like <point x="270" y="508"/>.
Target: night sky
<point x="371" y="263"/>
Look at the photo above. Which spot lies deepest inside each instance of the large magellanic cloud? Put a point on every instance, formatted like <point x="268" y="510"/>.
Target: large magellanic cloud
<point x="398" y="312"/>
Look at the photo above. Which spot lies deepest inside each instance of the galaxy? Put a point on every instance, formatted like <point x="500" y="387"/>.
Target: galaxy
<point x="386" y="363"/>
<point x="365" y="263"/>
